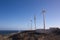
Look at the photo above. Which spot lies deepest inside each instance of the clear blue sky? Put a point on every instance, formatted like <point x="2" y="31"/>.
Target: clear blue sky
<point x="16" y="14"/>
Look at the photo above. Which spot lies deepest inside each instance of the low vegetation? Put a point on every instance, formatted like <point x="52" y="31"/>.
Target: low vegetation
<point x="33" y="35"/>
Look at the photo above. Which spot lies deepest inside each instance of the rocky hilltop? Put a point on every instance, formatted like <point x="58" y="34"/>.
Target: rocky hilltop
<point x="51" y="34"/>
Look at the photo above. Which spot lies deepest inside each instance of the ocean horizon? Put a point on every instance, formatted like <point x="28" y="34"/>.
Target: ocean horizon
<point x="5" y="32"/>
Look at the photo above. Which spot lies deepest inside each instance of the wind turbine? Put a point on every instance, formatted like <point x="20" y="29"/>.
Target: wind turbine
<point x="43" y="12"/>
<point x="35" y="21"/>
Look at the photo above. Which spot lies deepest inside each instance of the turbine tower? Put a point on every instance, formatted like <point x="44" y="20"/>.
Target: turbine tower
<point x="35" y="21"/>
<point x="31" y="24"/>
<point x="43" y="12"/>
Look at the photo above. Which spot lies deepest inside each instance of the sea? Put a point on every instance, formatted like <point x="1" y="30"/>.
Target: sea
<point x="5" y="32"/>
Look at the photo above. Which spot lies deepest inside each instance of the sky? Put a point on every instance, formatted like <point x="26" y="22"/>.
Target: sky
<point x="16" y="14"/>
